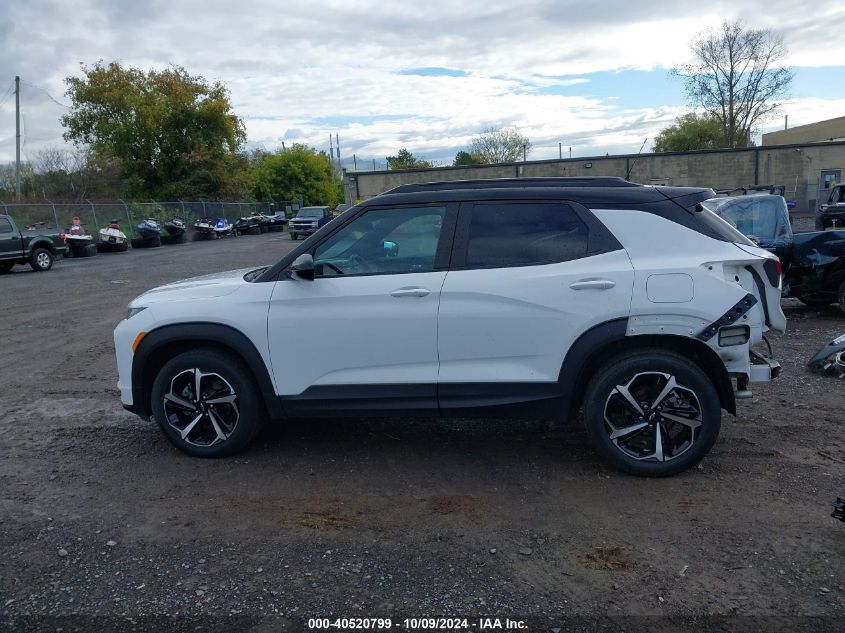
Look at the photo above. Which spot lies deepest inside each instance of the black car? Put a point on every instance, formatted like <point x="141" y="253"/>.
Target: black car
<point x="308" y="220"/>
<point x="813" y="262"/>
<point x="831" y="214"/>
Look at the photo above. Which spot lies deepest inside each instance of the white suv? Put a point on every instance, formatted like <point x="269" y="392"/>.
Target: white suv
<point x="523" y="297"/>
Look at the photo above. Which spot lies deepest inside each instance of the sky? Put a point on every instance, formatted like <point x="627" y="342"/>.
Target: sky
<point x="425" y="76"/>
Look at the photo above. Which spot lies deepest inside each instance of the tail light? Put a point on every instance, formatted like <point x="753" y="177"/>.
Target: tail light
<point x="63" y="236"/>
<point x="774" y="270"/>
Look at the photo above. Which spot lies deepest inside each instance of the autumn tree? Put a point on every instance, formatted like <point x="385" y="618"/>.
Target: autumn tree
<point x="297" y="172"/>
<point x="464" y="158"/>
<point x="691" y="131"/>
<point x="174" y="133"/>
<point x="500" y="145"/>
<point x="406" y="160"/>
<point x="737" y="77"/>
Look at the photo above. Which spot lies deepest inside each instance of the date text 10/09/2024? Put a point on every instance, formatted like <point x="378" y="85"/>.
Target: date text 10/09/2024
<point x="441" y="624"/>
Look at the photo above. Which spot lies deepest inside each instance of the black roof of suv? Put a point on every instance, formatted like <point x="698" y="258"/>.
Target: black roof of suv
<point x="677" y="204"/>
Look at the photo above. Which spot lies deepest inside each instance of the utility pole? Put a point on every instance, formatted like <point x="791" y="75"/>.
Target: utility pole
<point x="570" y="152"/>
<point x="337" y="144"/>
<point x="560" y="151"/>
<point x="524" y="152"/>
<point x="17" y="139"/>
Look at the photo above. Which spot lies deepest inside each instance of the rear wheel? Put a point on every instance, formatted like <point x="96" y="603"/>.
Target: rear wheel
<point x="41" y="260"/>
<point x="207" y="404"/>
<point x="6" y="267"/>
<point x="652" y="413"/>
<point x="293" y="237"/>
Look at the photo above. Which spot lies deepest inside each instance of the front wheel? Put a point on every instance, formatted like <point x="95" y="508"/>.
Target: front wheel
<point x="206" y="403"/>
<point x="652" y="413"/>
<point x="42" y="260"/>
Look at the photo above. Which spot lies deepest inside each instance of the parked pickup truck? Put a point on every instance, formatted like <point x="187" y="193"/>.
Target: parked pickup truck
<point x="308" y="220"/>
<point x="38" y="248"/>
<point x="813" y="262"/>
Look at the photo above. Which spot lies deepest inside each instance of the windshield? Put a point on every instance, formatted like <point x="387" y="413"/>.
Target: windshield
<point x="310" y="212"/>
<point x="721" y="226"/>
<point x="766" y="218"/>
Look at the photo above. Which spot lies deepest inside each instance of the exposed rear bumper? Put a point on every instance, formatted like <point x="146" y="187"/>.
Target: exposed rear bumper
<point x="763" y="369"/>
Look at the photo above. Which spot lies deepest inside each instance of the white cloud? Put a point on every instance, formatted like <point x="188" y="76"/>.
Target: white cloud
<point x="293" y="65"/>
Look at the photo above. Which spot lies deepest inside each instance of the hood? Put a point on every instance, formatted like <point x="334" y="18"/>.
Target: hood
<point x="205" y="287"/>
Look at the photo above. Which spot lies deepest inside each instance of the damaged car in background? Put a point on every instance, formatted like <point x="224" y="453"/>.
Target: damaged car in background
<point x="830" y="359"/>
<point x="813" y="262"/>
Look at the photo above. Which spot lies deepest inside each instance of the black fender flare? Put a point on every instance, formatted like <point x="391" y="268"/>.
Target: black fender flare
<point x="607" y="339"/>
<point x="161" y="344"/>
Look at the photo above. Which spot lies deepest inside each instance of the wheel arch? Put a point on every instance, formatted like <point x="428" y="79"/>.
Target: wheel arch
<point x="41" y="243"/>
<point x="602" y="342"/>
<point x="166" y="342"/>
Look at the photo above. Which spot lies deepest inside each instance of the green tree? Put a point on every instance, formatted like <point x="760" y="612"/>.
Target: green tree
<point x="463" y="158"/>
<point x="500" y="145"/>
<point x="736" y="77"/>
<point x="173" y="132"/>
<point x="690" y="132"/>
<point x="297" y="172"/>
<point x="406" y="160"/>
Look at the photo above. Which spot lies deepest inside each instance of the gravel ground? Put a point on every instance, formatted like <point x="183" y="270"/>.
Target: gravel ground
<point x="103" y="525"/>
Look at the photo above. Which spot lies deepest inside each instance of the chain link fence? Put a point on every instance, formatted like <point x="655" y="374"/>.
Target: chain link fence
<point x="96" y="215"/>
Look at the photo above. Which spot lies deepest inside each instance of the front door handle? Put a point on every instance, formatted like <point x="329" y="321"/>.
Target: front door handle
<point x="410" y="292"/>
<point x="593" y="284"/>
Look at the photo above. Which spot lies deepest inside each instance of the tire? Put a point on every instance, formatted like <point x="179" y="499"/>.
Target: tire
<point x="69" y="254"/>
<point x="254" y="231"/>
<point x="815" y="302"/>
<point x="293" y="237"/>
<point x="6" y="267"/>
<point x="263" y="229"/>
<point x="643" y="373"/>
<point x="222" y="373"/>
<point x="41" y="260"/>
<point x="122" y="247"/>
<point x="276" y="228"/>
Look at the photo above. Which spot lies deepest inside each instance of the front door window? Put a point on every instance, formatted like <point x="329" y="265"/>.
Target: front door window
<point x="382" y="242"/>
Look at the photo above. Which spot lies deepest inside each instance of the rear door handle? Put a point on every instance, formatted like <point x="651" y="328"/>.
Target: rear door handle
<point x="593" y="284"/>
<point x="410" y="292"/>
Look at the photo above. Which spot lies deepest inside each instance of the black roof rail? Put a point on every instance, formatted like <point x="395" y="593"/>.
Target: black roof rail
<point x="512" y="183"/>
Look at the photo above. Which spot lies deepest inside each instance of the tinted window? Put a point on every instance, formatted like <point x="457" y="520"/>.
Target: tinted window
<point x="521" y="234"/>
<point x="5" y="225"/>
<point x="383" y="241"/>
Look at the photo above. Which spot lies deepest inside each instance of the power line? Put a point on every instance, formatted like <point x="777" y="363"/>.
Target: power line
<point x="9" y="92"/>
<point x="46" y="92"/>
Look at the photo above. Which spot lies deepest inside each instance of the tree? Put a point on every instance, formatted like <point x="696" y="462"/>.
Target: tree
<point x="297" y="172"/>
<point x="500" y="145"/>
<point x="172" y="131"/>
<point x="465" y="158"/>
<point x="737" y="77"/>
<point x="406" y="160"/>
<point x="690" y="132"/>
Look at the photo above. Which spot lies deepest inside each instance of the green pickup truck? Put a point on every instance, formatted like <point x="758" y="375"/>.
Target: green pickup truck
<point x="38" y="248"/>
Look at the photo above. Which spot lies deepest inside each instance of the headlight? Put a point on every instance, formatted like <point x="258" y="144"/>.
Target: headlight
<point x="130" y="312"/>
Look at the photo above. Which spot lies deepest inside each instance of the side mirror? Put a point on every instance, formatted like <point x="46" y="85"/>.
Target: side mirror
<point x="391" y="249"/>
<point x="303" y="267"/>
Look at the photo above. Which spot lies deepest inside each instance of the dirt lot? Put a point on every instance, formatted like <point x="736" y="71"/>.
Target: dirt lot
<point x="104" y="525"/>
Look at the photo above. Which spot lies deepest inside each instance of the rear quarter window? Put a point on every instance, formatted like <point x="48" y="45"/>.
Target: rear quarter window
<point x="5" y="225"/>
<point x="524" y="234"/>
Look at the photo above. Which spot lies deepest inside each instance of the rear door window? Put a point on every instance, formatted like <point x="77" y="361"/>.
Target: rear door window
<point x="503" y="234"/>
